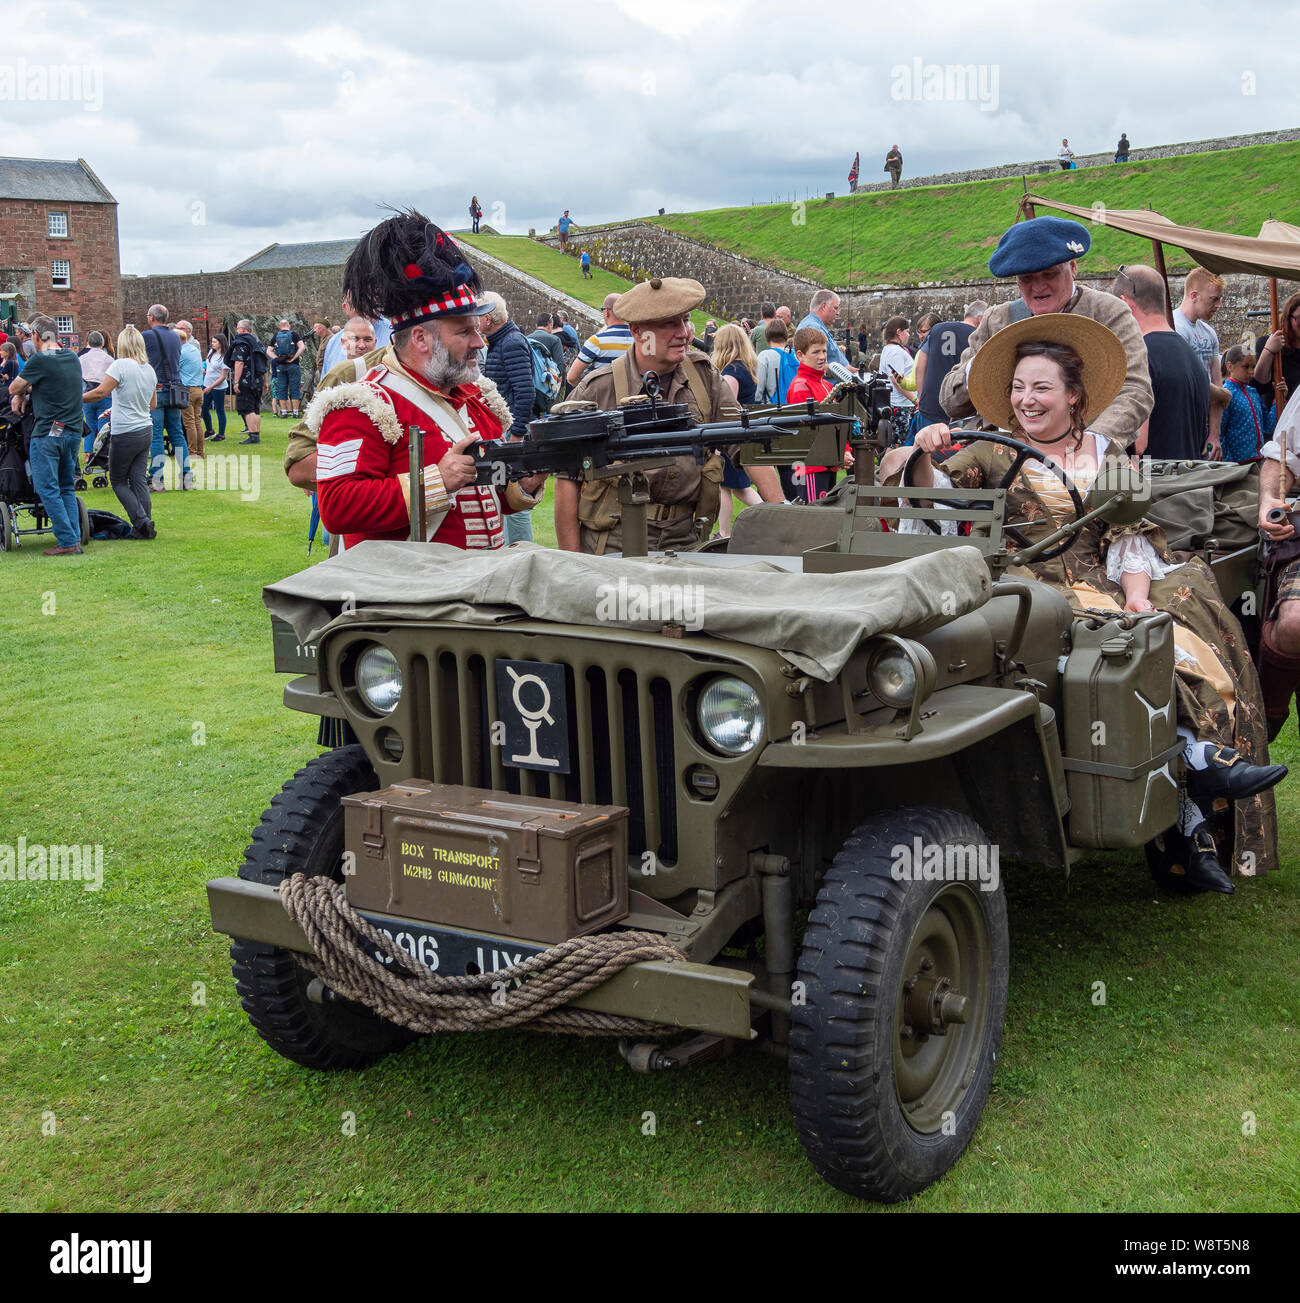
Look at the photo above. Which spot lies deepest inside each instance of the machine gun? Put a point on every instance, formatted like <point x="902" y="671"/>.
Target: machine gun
<point x="581" y="442"/>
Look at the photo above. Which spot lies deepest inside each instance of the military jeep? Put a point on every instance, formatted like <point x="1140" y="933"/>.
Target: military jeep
<point x="857" y="727"/>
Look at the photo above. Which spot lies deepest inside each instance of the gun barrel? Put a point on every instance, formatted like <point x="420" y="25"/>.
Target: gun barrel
<point x="576" y="450"/>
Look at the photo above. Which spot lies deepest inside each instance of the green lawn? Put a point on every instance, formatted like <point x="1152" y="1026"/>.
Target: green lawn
<point x="119" y="1016"/>
<point x="942" y="233"/>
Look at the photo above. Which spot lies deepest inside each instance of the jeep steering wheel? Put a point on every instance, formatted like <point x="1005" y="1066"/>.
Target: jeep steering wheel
<point x="1024" y="452"/>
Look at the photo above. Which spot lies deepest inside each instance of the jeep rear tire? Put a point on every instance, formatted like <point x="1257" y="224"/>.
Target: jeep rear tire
<point x="889" y="1069"/>
<point x="302" y="832"/>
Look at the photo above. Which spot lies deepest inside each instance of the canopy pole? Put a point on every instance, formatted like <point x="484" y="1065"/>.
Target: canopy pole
<point x="1158" y="250"/>
<point x="1274" y="325"/>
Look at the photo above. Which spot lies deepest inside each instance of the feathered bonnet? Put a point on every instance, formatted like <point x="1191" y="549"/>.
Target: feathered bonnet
<point x="410" y="271"/>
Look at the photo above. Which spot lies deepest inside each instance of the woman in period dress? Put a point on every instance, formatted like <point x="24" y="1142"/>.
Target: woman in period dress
<point x="1043" y="379"/>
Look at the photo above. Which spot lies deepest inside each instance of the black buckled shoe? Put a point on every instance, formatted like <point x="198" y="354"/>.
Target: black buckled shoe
<point x="1204" y="872"/>
<point x="1229" y="777"/>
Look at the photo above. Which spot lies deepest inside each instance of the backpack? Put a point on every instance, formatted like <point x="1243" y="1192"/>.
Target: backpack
<point x="789" y="365"/>
<point x="255" y="364"/>
<point x="546" y="378"/>
<point x="284" y="345"/>
<point x="13" y="472"/>
<point x="105" y="526"/>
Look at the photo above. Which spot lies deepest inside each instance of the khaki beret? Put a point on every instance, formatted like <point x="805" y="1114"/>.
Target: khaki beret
<point x="658" y="299"/>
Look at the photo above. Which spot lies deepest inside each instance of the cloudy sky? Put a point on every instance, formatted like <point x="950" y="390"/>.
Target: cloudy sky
<point x="223" y="128"/>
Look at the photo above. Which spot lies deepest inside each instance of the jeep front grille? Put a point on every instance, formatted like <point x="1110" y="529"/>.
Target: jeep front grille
<point x="621" y="738"/>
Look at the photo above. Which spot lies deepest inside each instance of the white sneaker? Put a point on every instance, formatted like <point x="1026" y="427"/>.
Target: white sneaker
<point x="156" y="485"/>
<point x="188" y="482"/>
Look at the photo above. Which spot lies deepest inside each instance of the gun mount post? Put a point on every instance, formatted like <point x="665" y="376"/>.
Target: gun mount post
<point x="634" y="497"/>
<point x="419" y="520"/>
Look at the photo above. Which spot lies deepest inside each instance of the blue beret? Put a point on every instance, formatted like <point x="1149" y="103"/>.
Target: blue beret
<point x="1038" y="244"/>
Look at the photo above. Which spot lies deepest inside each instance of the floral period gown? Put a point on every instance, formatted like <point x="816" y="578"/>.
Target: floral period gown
<point x="1216" y="685"/>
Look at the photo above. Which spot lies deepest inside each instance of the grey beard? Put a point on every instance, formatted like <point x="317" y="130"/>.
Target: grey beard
<point x="444" y="373"/>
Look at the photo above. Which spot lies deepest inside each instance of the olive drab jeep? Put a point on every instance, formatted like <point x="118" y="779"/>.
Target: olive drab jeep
<point x="504" y="774"/>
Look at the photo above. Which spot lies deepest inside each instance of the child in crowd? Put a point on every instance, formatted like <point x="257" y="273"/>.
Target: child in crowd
<point x="586" y="265"/>
<point x="810" y="382"/>
<point x="1245" y="425"/>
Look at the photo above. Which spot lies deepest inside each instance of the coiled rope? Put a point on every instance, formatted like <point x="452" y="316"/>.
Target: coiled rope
<point x="407" y="992"/>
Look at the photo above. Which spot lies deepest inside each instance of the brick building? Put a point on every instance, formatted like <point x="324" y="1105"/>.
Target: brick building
<point x="58" y="246"/>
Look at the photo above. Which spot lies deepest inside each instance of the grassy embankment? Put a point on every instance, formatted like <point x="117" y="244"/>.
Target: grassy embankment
<point x="946" y="233"/>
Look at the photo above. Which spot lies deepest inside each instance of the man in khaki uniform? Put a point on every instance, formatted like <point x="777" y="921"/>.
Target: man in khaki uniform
<point x="1041" y="255"/>
<point x="588" y="517"/>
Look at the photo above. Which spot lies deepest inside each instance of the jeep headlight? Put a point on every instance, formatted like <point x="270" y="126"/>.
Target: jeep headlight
<point x="379" y="679"/>
<point x="730" y="716"/>
<point x="898" y="671"/>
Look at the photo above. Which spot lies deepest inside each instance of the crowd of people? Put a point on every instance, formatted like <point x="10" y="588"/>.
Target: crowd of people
<point x="124" y="404"/>
<point x="1203" y="403"/>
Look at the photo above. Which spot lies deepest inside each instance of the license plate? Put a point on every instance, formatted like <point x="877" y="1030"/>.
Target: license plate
<point x="448" y="951"/>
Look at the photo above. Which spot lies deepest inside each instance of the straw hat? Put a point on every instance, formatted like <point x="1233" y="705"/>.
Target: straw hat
<point x="1105" y="364"/>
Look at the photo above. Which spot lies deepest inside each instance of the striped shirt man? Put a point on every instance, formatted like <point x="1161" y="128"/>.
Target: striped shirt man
<point x="606" y="345"/>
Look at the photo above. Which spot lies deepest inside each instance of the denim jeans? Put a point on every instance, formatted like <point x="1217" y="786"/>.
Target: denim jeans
<point x="54" y="472"/>
<point x="215" y="402"/>
<point x="519" y="527"/>
<point x="287" y="382"/>
<point x="171" y="418"/>
<point x="93" y="412"/>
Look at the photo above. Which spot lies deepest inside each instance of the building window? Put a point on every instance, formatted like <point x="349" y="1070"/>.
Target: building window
<point x="63" y="325"/>
<point x="58" y="225"/>
<point x="60" y="274"/>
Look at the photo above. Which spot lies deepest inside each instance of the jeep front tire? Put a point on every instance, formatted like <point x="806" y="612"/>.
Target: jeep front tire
<point x="896" y="1032"/>
<point x="302" y="832"/>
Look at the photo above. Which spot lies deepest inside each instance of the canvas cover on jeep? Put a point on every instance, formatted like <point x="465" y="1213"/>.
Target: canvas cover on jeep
<point x="815" y="621"/>
<point x="1194" y="502"/>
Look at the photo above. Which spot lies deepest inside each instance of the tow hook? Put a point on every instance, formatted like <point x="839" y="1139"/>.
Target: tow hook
<point x="645" y="1056"/>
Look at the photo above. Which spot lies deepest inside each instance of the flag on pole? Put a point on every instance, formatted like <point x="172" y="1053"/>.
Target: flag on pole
<point x="853" y="171"/>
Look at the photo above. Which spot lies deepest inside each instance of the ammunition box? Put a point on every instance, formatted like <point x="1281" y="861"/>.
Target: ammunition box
<point x="517" y="866"/>
<point x="1121" y="740"/>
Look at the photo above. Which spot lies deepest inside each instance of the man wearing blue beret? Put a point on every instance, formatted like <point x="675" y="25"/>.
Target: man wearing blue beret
<point x="1041" y="254"/>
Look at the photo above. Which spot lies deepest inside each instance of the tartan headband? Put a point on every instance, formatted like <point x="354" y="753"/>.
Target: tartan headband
<point x="456" y="302"/>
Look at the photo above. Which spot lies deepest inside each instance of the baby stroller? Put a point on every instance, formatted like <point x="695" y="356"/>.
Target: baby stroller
<point x="96" y="466"/>
<point x="95" y="469"/>
<point x="17" y="495"/>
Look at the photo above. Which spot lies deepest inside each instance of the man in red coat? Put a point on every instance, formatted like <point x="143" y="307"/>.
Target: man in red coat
<point x="411" y="272"/>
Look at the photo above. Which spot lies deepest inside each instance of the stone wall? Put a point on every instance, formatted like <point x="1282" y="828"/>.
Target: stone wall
<point x="1050" y="165"/>
<point x="737" y="286"/>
